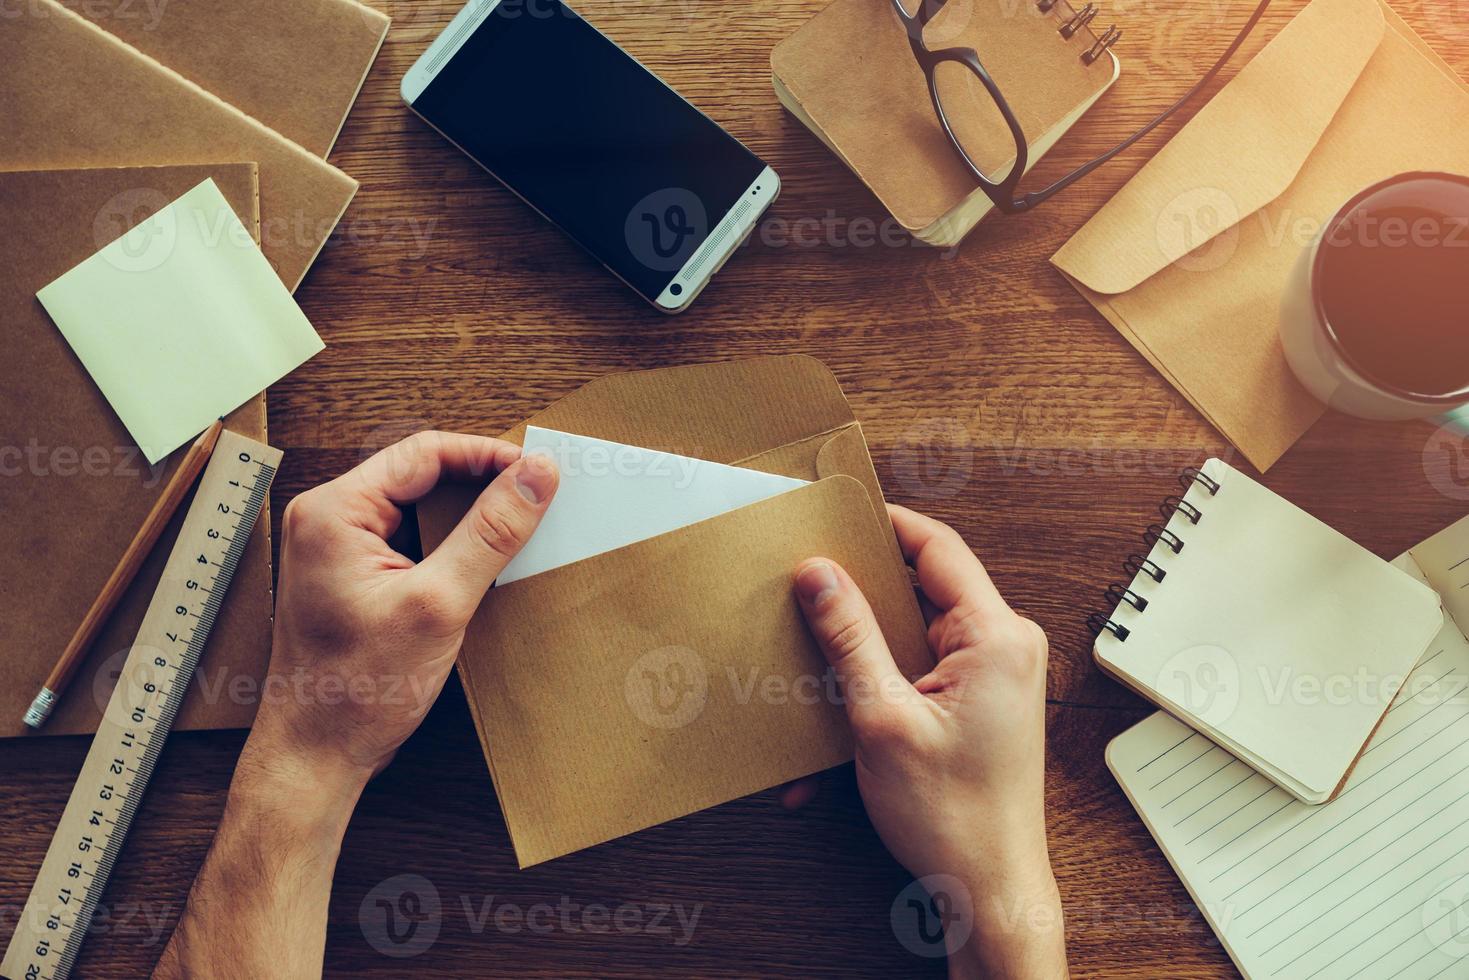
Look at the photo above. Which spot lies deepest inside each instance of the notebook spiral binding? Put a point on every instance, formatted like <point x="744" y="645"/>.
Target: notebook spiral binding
<point x="1074" y="20"/>
<point x="1155" y="534"/>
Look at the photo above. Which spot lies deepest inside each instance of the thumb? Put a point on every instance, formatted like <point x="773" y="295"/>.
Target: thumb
<point x="499" y="524"/>
<point x="847" y="632"/>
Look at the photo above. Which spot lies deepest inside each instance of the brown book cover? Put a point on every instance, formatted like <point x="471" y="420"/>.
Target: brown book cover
<point x="74" y="488"/>
<point x="72" y="96"/>
<point x="295" y="65"/>
<point x="850" y="76"/>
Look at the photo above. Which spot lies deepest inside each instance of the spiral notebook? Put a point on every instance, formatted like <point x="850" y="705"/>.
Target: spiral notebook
<point x="850" y="77"/>
<point x="1372" y="884"/>
<point x="1274" y="636"/>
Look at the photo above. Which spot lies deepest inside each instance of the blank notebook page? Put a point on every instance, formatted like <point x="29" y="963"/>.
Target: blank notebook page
<point x="1262" y="604"/>
<point x="1371" y="885"/>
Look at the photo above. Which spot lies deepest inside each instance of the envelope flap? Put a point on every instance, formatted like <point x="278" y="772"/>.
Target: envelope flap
<point x="721" y="412"/>
<point x="846" y="452"/>
<point x="1241" y="150"/>
<point x="843" y="452"/>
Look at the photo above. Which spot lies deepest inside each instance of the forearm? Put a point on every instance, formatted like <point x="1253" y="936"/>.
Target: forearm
<point x="1018" y="928"/>
<point x="259" y="904"/>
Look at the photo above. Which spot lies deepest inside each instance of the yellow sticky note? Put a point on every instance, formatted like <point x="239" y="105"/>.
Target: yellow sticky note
<point x="180" y="321"/>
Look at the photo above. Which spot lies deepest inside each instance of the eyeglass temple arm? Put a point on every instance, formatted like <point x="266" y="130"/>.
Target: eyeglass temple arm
<point x="1036" y="197"/>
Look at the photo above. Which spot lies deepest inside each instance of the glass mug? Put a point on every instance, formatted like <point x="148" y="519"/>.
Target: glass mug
<point x="1375" y="317"/>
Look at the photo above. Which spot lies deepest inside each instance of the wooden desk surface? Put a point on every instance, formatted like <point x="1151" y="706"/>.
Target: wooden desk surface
<point x="992" y="395"/>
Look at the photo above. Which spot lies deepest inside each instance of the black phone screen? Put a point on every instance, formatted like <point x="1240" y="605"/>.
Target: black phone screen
<point x="590" y="138"/>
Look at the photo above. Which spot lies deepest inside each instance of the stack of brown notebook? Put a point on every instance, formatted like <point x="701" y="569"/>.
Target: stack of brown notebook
<point x="850" y="77"/>
<point x="98" y="135"/>
<point x="295" y="65"/>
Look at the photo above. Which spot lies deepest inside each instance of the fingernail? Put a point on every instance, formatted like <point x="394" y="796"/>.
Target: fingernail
<point x="816" y="582"/>
<point x="536" y="478"/>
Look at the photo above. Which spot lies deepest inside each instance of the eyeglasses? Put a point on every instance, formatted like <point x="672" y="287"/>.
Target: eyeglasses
<point x="951" y="72"/>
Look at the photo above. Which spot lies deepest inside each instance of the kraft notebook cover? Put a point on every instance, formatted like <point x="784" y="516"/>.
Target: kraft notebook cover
<point x="1371" y="884"/>
<point x="654" y="645"/>
<point x="74" y="488"/>
<point x="295" y="65"/>
<point x="850" y="77"/>
<point x="1189" y="260"/>
<point x="72" y="95"/>
<point x="1243" y="607"/>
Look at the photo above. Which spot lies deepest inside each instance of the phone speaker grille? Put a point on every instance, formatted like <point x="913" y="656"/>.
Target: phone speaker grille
<point x="452" y="45"/>
<point x="712" y="245"/>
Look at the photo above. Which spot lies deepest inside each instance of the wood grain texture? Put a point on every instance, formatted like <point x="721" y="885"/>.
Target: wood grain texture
<point x="992" y="396"/>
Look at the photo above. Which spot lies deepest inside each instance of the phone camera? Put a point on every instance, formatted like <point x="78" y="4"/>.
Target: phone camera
<point x="676" y="289"/>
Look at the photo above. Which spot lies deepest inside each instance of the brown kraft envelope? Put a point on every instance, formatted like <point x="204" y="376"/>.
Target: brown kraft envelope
<point x="675" y="674"/>
<point x="74" y="489"/>
<point x="1190" y="259"/>
<point x="295" y="65"/>
<point x="72" y="95"/>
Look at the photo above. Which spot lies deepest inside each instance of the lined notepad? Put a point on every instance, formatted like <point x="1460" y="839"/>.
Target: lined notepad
<point x="1374" y="884"/>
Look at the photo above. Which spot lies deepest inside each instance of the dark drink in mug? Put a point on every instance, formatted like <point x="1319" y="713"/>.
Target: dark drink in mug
<point x="1375" y="321"/>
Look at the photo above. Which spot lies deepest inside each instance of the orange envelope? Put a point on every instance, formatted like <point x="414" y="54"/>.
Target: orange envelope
<point x="1190" y="259"/>
<point x="646" y="683"/>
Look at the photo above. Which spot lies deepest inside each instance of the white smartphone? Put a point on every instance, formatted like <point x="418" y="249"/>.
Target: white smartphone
<point x="654" y="189"/>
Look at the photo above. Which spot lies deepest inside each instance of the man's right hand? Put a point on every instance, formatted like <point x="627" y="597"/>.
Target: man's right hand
<point x="951" y="768"/>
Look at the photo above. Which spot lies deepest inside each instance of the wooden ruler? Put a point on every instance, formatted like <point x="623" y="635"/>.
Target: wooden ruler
<point x="136" y="723"/>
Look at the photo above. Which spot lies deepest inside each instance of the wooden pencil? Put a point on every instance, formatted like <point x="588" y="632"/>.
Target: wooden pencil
<point x="122" y="576"/>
